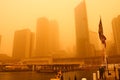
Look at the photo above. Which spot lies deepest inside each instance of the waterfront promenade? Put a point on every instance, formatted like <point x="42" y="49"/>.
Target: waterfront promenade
<point x="71" y="71"/>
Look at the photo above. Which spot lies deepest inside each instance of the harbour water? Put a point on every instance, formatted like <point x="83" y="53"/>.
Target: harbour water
<point x="45" y="76"/>
<point x="25" y="76"/>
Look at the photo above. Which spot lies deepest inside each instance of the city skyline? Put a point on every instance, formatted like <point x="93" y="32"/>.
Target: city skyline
<point x="15" y="17"/>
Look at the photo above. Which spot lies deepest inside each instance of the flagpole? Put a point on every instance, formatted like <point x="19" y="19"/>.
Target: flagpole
<point x="103" y="42"/>
<point x="105" y="62"/>
<point x="102" y="39"/>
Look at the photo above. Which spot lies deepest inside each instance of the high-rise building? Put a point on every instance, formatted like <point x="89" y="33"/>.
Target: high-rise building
<point x="116" y="32"/>
<point x="82" y="33"/>
<point x="32" y="45"/>
<point x="94" y="39"/>
<point x="95" y="43"/>
<point x="54" y="37"/>
<point x="110" y="48"/>
<point x="0" y="40"/>
<point x="47" y="41"/>
<point x="42" y="38"/>
<point x="22" y="44"/>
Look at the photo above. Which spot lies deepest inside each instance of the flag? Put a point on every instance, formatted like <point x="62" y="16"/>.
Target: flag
<point x="101" y="35"/>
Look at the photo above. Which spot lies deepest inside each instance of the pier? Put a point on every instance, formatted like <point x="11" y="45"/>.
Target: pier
<point x="41" y="67"/>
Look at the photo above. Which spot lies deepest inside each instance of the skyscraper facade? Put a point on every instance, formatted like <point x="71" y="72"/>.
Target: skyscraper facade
<point x="47" y="37"/>
<point x="32" y="45"/>
<point x="82" y="33"/>
<point x="54" y="37"/>
<point x="42" y="38"/>
<point x="94" y="39"/>
<point x="0" y="40"/>
<point x="111" y="48"/>
<point x="22" y="44"/>
<point x="116" y="32"/>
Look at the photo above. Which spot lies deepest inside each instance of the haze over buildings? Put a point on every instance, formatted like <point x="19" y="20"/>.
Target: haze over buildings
<point x="22" y="45"/>
<point x="46" y="43"/>
<point x="84" y="48"/>
<point x="82" y="35"/>
<point x="20" y="14"/>
<point x="111" y="49"/>
<point x="42" y="37"/>
<point x="54" y="37"/>
<point x="94" y="40"/>
<point x="0" y="41"/>
<point x="116" y="33"/>
<point x="47" y="38"/>
<point x="95" y="43"/>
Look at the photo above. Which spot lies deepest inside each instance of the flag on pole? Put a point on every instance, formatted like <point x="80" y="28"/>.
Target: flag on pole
<point x="101" y="35"/>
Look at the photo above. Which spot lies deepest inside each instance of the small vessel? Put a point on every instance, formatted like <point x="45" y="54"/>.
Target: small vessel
<point x="54" y="79"/>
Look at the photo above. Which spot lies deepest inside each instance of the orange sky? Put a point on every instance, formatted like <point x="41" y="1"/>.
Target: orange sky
<point x="19" y="14"/>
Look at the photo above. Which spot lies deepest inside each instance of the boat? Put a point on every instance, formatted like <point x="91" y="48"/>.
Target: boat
<point x="54" y="79"/>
